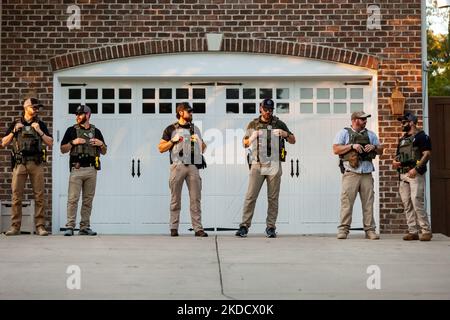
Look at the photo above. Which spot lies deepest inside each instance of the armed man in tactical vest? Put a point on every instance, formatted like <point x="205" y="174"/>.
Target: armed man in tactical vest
<point x="357" y="147"/>
<point x="266" y="135"/>
<point x="413" y="153"/>
<point x="29" y="136"/>
<point x="85" y="143"/>
<point x="183" y="140"/>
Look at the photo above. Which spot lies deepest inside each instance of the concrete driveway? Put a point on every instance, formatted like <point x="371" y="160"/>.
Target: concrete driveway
<point x="223" y="267"/>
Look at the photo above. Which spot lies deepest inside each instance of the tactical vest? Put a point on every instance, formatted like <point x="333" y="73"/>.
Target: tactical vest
<point x="195" y="157"/>
<point x="281" y="145"/>
<point x="85" y="150"/>
<point x="28" y="146"/>
<point x="408" y="154"/>
<point x="361" y="138"/>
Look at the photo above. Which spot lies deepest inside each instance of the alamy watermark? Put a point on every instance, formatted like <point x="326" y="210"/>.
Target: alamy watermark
<point x="74" y="20"/>
<point x="265" y="147"/>
<point x="73" y="282"/>
<point x="374" y="280"/>
<point x="374" y="19"/>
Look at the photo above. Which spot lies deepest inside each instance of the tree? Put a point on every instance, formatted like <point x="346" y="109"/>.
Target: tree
<point x="438" y="47"/>
<point x="439" y="72"/>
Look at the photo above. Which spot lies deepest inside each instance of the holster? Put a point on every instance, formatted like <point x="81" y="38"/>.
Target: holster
<point x="203" y="165"/>
<point x="341" y="165"/>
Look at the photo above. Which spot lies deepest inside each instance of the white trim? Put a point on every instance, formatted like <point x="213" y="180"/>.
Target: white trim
<point x="213" y="64"/>
<point x="56" y="185"/>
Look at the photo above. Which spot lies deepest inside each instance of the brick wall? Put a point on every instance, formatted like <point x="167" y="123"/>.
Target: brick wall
<point x="33" y="32"/>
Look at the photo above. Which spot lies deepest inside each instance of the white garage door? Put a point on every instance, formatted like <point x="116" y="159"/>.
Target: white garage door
<point x="132" y="192"/>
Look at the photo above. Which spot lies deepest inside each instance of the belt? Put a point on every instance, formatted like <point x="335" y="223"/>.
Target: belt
<point x="405" y="170"/>
<point x="78" y="165"/>
<point x="346" y="170"/>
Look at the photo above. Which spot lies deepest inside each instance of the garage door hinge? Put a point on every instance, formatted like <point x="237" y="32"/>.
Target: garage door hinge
<point x="356" y="83"/>
<point x="73" y="84"/>
<point x="215" y="84"/>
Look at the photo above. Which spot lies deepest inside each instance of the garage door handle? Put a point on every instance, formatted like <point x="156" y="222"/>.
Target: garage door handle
<point x="298" y="170"/>
<point x="132" y="168"/>
<point x="139" y="168"/>
<point x="292" y="168"/>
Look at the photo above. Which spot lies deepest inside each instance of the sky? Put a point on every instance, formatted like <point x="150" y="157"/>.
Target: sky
<point x="438" y="24"/>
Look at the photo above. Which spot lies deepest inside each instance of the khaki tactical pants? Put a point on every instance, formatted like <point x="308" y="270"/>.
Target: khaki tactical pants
<point x="19" y="177"/>
<point x="352" y="183"/>
<point x="257" y="177"/>
<point x="81" y="180"/>
<point x="412" y="192"/>
<point x="178" y="174"/>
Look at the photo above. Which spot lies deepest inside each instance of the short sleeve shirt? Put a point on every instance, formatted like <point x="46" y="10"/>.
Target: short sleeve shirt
<point x="182" y="152"/>
<point x="343" y="138"/>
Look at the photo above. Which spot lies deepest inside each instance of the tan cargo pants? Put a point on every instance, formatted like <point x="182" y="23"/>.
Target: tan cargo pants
<point x="257" y="177"/>
<point x="412" y="192"/>
<point x="178" y="174"/>
<point x="81" y="180"/>
<point x="19" y="178"/>
<point x="352" y="184"/>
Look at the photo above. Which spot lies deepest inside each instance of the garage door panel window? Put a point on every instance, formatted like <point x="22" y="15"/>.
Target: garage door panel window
<point x="323" y="108"/>
<point x="232" y="93"/>
<point x="331" y="100"/>
<point x="199" y="107"/>
<point x="339" y="93"/>
<point x="265" y="93"/>
<point x="165" y="107"/>
<point x="356" y="93"/>
<point x="249" y="107"/>
<point x="282" y="107"/>
<point x="148" y="93"/>
<point x="108" y="108"/>
<point x="248" y="93"/>
<point x="306" y="93"/>
<point x="165" y="93"/>
<point x="73" y="107"/>
<point x="74" y="94"/>
<point x="107" y="94"/>
<point x="124" y="107"/>
<point x="111" y="101"/>
<point x="240" y="99"/>
<point x="340" y="107"/>
<point x="232" y="107"/>
<point x="306" y="107"/>
<point x="182" y="93"/>
<point x="283" y="93"/>
<point x="93" y="106"/>
<point x="91" y="93"/>
<point x="164" y="100"/>
<point x="124" y="93"/>
<point x="148" y="108"/>
<point x="323" y="93"/>
<point x="199" y="93"/>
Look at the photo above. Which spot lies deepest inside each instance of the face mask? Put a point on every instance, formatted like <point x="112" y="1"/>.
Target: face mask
<point x="83" y="120"/>
<point x="406" y="128"/>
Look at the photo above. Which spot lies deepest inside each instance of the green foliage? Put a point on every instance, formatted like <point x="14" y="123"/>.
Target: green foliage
<point x="439" y="72"/>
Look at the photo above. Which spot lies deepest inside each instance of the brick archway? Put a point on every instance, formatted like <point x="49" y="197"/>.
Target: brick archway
<point x="276" y="47"/>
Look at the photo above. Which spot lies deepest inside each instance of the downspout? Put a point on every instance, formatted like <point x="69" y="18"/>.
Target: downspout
<point x="423" y="14"/>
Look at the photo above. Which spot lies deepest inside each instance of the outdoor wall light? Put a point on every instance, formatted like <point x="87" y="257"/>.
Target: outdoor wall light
<point x="397" y="101"/>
